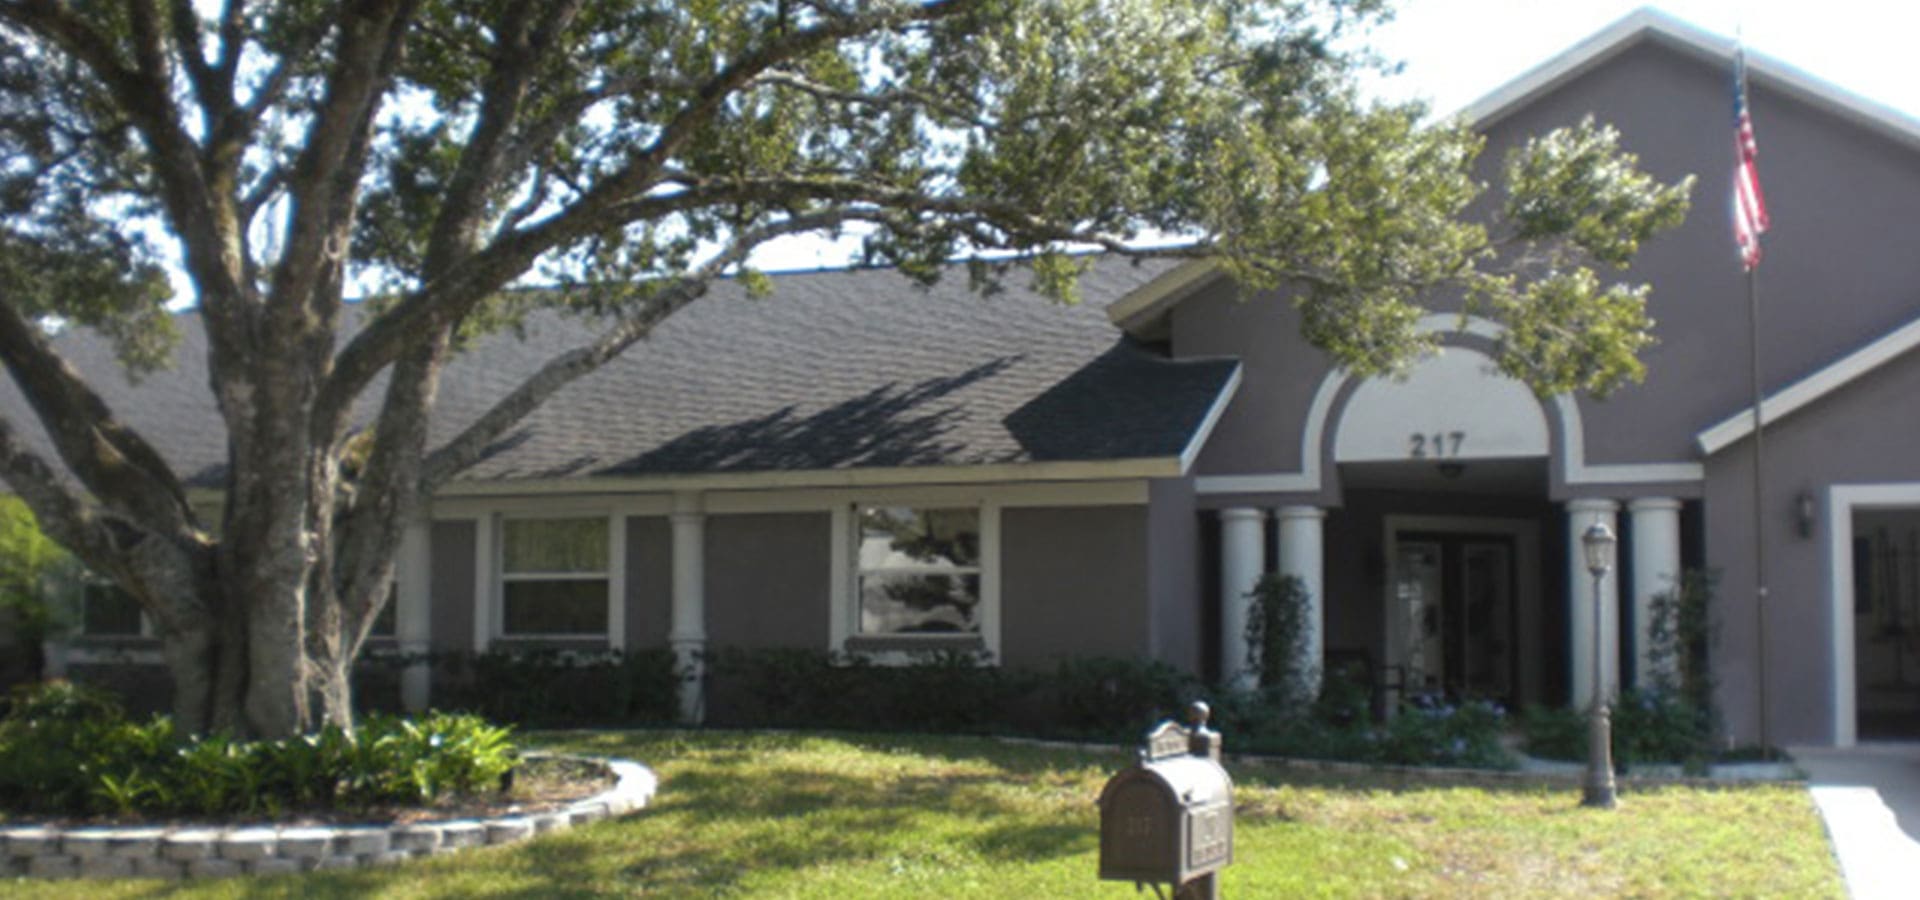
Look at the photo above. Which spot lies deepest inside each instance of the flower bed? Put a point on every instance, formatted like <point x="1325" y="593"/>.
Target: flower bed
<point x="201" y="851"/>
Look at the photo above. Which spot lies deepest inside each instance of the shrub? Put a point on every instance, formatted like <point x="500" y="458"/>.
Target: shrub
<point x="1555" y="732"/>
<point x="1659" y="726"/>
<point x="558" y="688"/>
<point x="66" y="751"/>
<point x="1445" y="734"/>
<point x="952" y="691"/>
<point x="1117" y="698"/>
<point x="1277" y="623"/>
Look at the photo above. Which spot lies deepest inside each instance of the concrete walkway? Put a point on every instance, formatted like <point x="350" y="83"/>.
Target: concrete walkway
<point x="1869" y="796"/>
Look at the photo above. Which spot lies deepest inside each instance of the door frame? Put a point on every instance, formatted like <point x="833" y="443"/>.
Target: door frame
<point x="1843" y="500"/>
<point x="1525" y="534"/>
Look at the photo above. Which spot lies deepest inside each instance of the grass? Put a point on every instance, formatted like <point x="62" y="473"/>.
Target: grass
<point x="833" y="816"/>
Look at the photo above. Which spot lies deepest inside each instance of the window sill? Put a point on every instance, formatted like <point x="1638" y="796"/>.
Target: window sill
<point x="943" y="643"/>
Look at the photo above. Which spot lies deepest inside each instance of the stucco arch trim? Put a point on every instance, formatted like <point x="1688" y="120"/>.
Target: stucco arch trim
<point x="1567" y="437"/>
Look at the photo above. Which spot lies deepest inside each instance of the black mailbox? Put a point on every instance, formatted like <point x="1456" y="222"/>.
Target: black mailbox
<point x="1168" y="819"/>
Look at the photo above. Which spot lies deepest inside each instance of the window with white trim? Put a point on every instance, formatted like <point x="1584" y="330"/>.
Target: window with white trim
<point x="918" y="571"/>
<point x="554" y="578"/>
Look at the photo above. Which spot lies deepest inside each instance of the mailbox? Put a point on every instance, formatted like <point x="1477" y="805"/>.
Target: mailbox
<point x="1168" y="819"/>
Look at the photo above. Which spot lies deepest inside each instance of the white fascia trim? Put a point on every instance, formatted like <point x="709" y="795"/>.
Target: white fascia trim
<point x="1813" y="387"/>
<point x="1148" y="467"/>
<point x="1618" y="37"/>
<point x="1205" y="431"/>
<point x="1843" y="500"/>
<point x="1144" y="301"/>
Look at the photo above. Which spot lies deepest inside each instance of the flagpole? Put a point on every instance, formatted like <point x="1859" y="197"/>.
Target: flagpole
<point x="1759" y="465"/>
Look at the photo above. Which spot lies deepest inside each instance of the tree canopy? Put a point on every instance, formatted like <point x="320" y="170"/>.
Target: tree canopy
<point x="433" y="155"/>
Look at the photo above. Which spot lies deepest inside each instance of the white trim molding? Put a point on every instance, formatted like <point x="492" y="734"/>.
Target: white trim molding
<point x="1812" y="388"/>
<point x="1149" y="299"/>
<point x="844" y="582"/>
<point x="1762" y="70"/>
<point x="860" y="478"/>
<point x="1843" y="500"/>
<point x="1214" y="412"/>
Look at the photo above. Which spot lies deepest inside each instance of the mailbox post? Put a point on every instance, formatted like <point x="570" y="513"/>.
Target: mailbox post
<point x="1168" y="818"/>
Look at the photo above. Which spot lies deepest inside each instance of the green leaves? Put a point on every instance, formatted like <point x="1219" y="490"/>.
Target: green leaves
<point x="1566" y="331"/>
<point x="1576" y="183"/>
<point x="71" y="751"/>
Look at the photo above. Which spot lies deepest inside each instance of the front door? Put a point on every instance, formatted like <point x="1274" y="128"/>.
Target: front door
<point x="1455" y="595"/>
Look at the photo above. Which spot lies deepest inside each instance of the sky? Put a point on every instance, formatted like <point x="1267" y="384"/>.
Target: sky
<point x="1459" y="50"/>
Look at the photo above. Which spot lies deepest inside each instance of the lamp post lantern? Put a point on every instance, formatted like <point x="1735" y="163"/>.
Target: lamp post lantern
<point x="1598" y="542"/>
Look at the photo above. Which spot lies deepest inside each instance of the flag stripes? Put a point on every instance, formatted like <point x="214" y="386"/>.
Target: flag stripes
<point x="1749" y="204"/>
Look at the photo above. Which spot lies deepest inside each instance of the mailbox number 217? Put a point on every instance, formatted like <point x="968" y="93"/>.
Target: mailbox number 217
<point x="1438" y="445"/>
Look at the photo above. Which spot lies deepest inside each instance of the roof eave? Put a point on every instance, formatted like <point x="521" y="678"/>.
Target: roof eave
<point x="1648" y="24"/>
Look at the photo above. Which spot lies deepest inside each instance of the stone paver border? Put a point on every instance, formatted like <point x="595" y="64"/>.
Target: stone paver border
<point x="211" y="851"/>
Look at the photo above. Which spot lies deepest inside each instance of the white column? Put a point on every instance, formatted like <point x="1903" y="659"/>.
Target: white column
<point x="688" y="633"/>
<point x="1301" y="553"/>
<point x="1241" y="559"/>
<point x="1581" y="515"/>
<point x="1656" y="570"/>
<point x="413" y="612"/>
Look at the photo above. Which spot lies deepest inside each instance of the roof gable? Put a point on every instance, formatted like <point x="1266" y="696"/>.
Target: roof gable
<point x="1143" y="311"/>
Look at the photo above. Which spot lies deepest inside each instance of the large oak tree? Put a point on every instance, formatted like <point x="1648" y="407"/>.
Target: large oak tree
<point x="624" y="153"/>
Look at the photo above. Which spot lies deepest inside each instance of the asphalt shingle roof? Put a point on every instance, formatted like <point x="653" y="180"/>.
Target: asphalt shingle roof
<point x="834" y="370"/>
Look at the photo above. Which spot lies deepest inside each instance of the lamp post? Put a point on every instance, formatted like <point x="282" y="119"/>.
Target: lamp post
<point x="1598" y="542"/>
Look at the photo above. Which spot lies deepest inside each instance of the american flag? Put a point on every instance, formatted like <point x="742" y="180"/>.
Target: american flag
<point x="1749" y="205"/>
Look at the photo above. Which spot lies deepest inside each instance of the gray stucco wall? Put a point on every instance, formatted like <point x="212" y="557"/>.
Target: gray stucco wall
<point x="649" y="581"/>
<point x="1865" y="433"/>
<point x="768" y="580"/>
<point x="1173" y="573"/>
<point x="1073" y="583"/>
<point x="451" y="585"/>
<point x="1831" y="283"/>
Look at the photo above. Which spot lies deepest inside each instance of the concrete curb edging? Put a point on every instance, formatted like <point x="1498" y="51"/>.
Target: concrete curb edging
<point x="204" y="851"/>
<point x="1533" y="773"/>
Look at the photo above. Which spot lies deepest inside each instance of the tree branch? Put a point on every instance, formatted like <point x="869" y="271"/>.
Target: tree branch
<point x="114" y="462"/>
<point x="466" y="448"/>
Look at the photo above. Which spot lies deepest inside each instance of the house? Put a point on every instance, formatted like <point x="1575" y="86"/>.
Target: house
<point x="1110" y="478"/>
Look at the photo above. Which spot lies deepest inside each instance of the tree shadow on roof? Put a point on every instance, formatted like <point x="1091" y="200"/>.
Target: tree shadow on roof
<point x="889" y="426"/>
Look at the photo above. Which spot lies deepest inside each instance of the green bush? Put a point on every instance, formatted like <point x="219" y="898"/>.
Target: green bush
<point x="68" y="751"/>
<point x="1553" y="732"/>
<point x="1116" y="698"/>
<point x="556" y="688"/>
<point x="1277" y="623"/>
<point x="949" y="691"/>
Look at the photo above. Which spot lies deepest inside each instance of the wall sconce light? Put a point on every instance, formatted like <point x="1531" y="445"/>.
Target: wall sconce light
<point x="1805" y="515"/>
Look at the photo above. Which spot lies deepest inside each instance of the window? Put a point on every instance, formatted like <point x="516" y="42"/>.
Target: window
<point x="108" y="611"/>
<point x="918" y="571"/>
<point x="554" y="577"/>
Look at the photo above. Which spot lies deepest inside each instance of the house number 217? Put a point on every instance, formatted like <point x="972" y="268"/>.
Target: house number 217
<point x="1439" y="445"/>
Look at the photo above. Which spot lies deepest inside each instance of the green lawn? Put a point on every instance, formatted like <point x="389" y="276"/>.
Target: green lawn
<point x="871" y="816"/>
